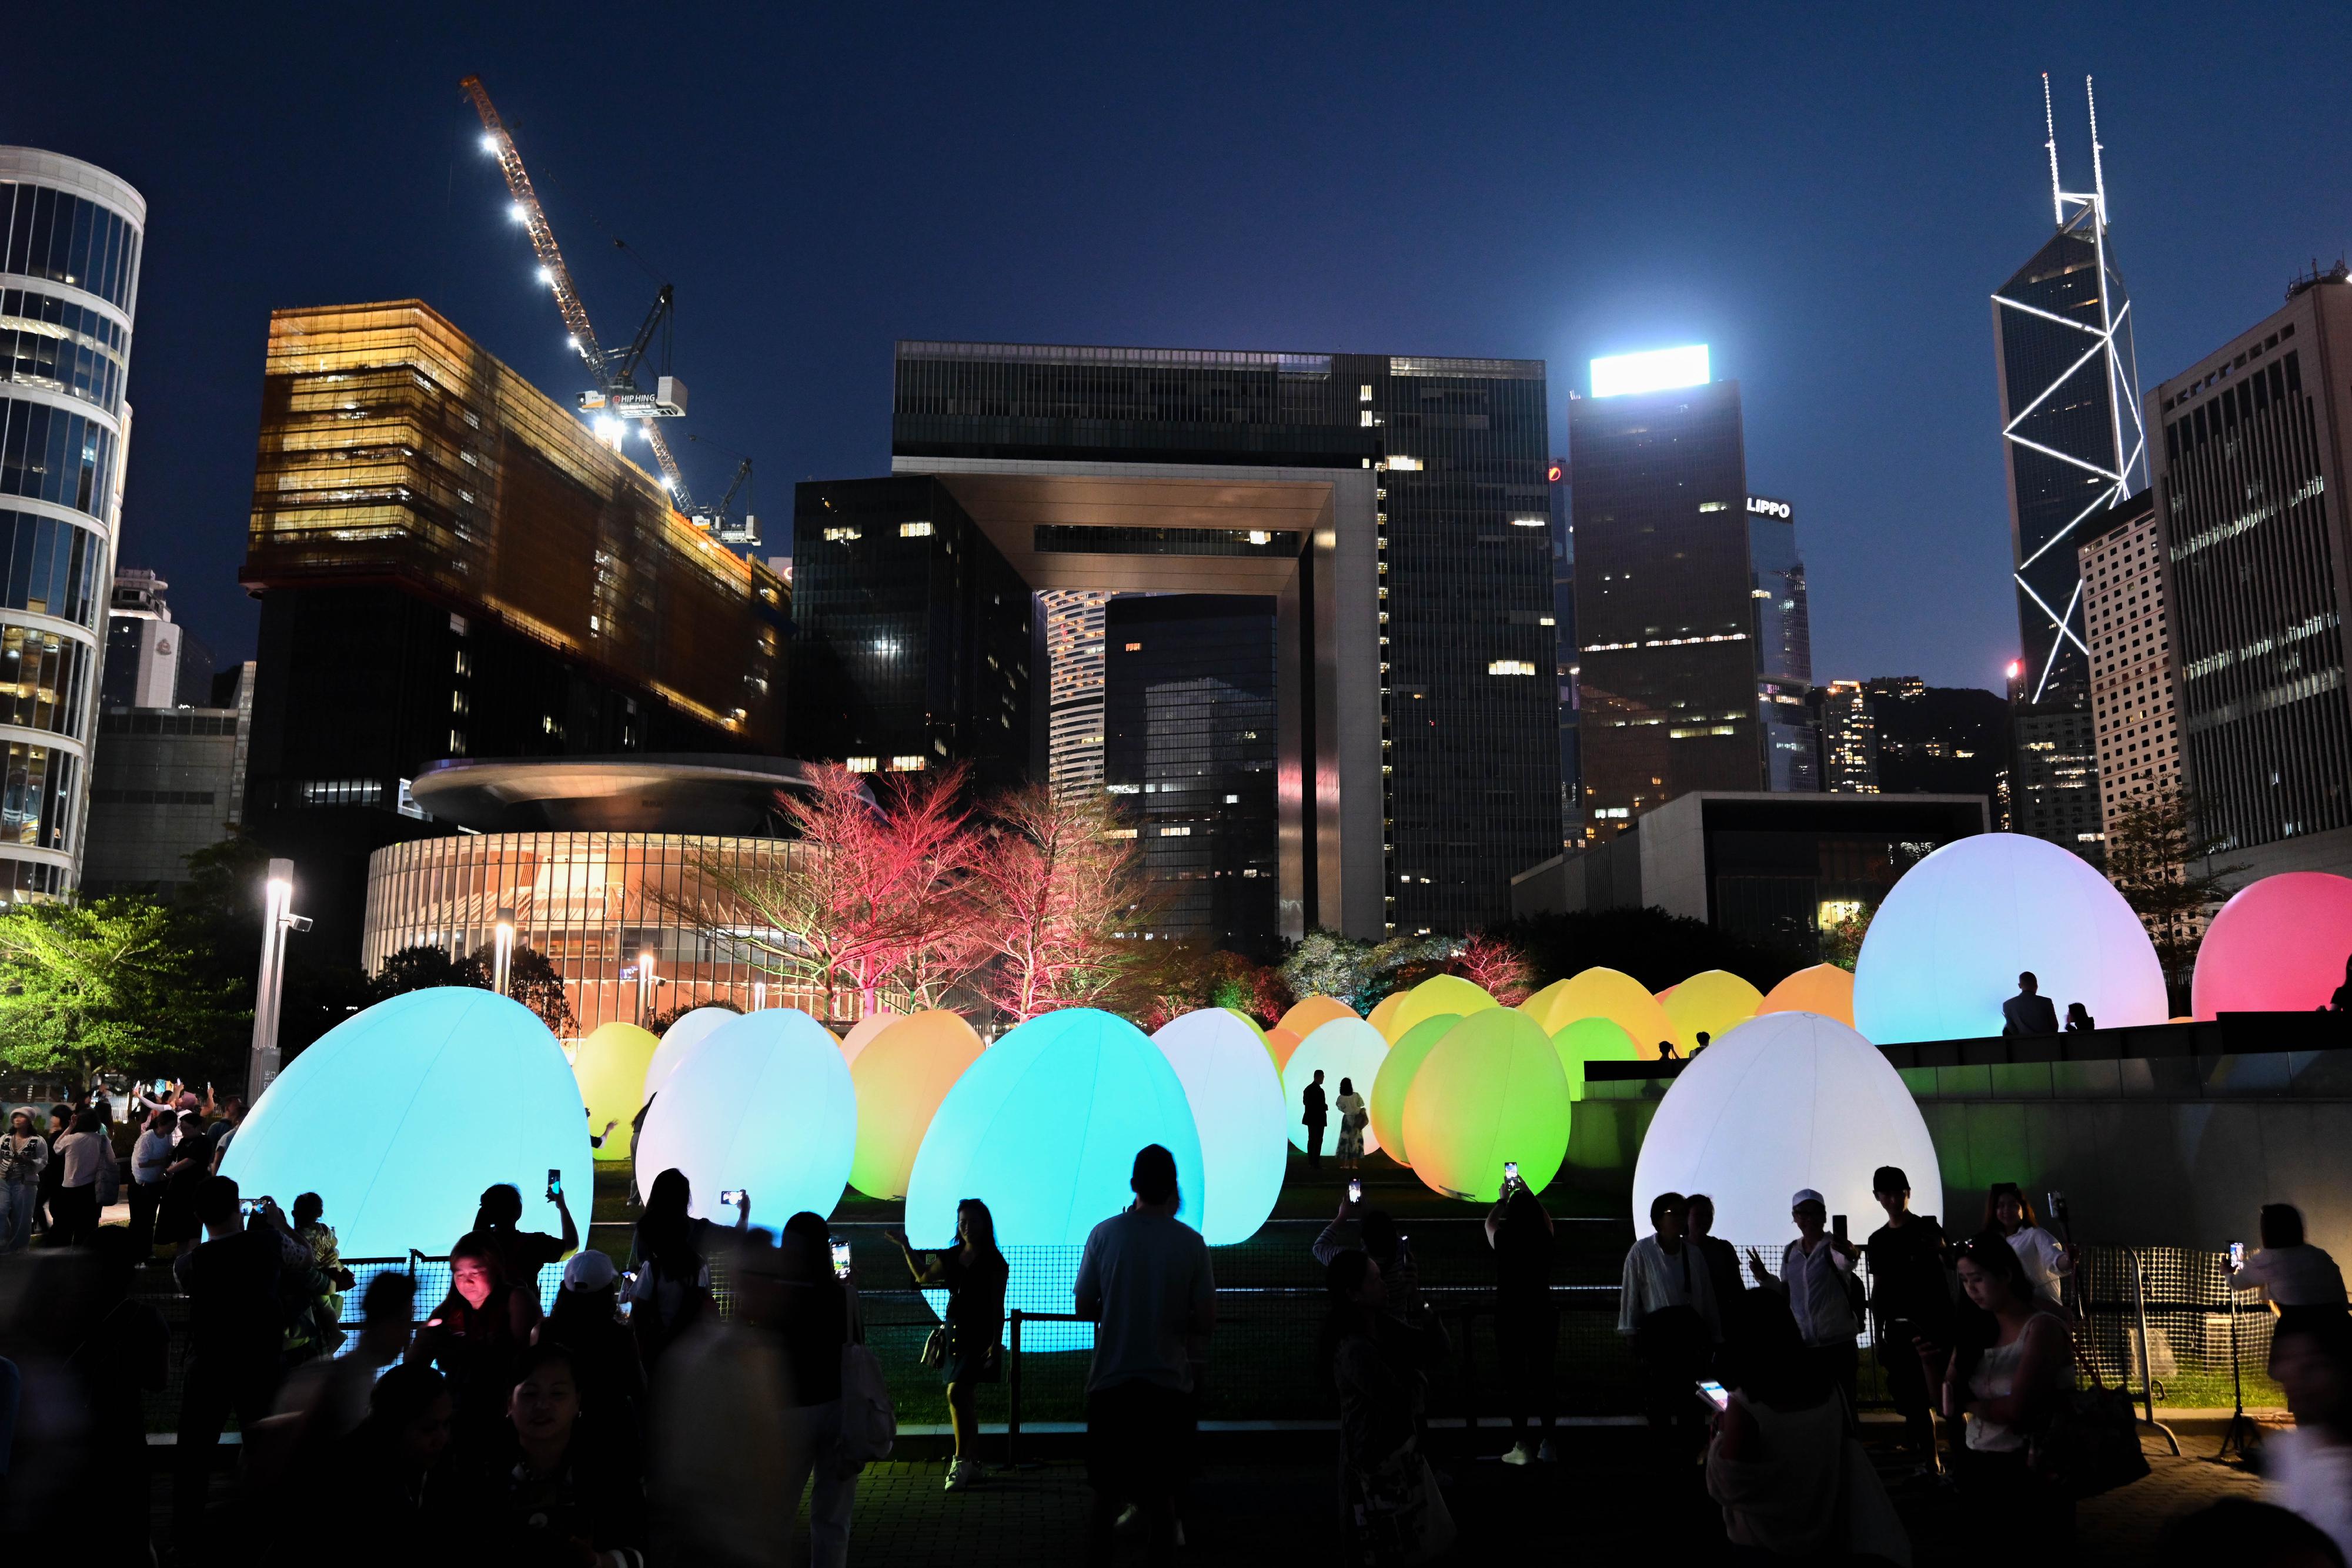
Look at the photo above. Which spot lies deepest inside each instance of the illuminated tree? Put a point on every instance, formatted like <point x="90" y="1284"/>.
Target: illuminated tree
<point x="1495" y="967"/>
<point x="106" y="986"/>
<point x="1060" y="898"/>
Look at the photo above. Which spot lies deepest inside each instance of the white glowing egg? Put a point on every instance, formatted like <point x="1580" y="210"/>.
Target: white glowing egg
<point x="1785" y="1101"/>
<point x="764" y="1103"/>
<point x="1349" y="1048"/>
<point x="1235" y="1095"/>
<point x="687" y="1032"/>
<point x="400" y="1115"/>
<point x="1950" y="938"/>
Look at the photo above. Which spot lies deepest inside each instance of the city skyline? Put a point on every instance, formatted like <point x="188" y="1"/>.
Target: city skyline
<point x="1858" y="336"/>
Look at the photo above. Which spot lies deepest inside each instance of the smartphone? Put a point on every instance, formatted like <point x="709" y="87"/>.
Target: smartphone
<point x="1837" y="1226"/>
<point x="1714" y="1394"/>
<point x="1510" y="1173"/>
<point x="1354" y="1190"/>
<point x="554" y="1183"/>
<point x="840" y="1259"/>
<point x="2237" y="1254"/>
<point x="627" y="1292"/>
<point x="732" y="1197"/>
<point x="248" y="1206"/>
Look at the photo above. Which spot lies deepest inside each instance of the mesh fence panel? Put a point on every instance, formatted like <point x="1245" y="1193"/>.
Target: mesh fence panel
<point x="2198" y="1328"/>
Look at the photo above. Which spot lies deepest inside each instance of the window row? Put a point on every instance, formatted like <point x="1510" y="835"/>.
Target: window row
<point x="37" y="785"/>
<point x="51" y="566"/>
<point x="70" y="239"/>
<point x="41" y="678"/>
<point x="30" y="306"/>
<point x="52" y="454"/>
<point x="62" y="365"/>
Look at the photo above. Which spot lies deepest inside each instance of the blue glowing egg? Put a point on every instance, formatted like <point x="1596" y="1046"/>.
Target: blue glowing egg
<point x="1344" y="1049"/>
<point x="678" y="1041"/>
<point x="764" y="1103"/>
<point x="1949" y="939"/>
<point x="400" y="1115"/>
<point x="1238" y="1111"/>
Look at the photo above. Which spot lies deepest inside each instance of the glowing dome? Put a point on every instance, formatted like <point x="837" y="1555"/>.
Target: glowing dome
<point x="1394" y="1081"/>
<point x="1383" y="1015"/>
<point x="1279" y="1043"/>
<point x="902" y="1074"/>
<point x="1824" y="989"/>
<point x="1235" y="1095"/>
<point x="611" y="1066"/>
<point x="1598" y="993"/>
<point x="1438" y="994"/>
<point x="690" y="1030"/>
<point x="1344" y="1048"/>
<point x="1944" y="949"/>
<point x="764" y="1103"/>
<point x="1591" y="1040"/>
<point x="1784" y="1102"/>
<point x="1490" y="1091"/>
<point x="1713" y="1002"/>
<point x="400" y="1115"/>
<point x="861" y="1034"/>
<point x="2278" y="946"/>
<point x="1310" y="1013"/>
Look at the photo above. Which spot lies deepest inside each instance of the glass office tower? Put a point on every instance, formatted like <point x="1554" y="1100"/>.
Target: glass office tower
<point x="69" y="249"/>
<point x="1784" y="648"/>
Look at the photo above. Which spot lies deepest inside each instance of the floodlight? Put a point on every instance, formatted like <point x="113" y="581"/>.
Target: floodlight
<point x="1654" y="371"/>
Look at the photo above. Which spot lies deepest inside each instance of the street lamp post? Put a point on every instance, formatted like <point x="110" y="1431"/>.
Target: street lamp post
<point x="502" y="954"/>
<point x="278" y="917"/>
<point x="759" y="995"/>
<point x="644" y="986"/>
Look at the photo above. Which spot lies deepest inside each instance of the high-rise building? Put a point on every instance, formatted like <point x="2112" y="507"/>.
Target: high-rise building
<point x="1849" y="738"/>
<point x="1937" y="740"/>
<point x="2133" y="702"/>
<point x="451" y="565"/>
<point x="151" y="661"/>
<point x="1395" y="508"/>
<point x="169" y="780"/>
<point x="1189" y="756"/>
<point x="1566" y="660"/>
<point x="2251" y="469"/>
<point x="1073" y="619"/>
<point x="2074" y="446"/>
<point x="1784" y="648"/>
<point x="69" y="247"/>
<point x="1665" y="588"/>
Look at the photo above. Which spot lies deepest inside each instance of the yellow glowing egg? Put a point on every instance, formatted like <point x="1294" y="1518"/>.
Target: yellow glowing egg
<point x="1385" y="1011"/>
<point x="1394" y="1081"/>
<point x="1824" y="989"/>
<point x="1598" y="993"/>
<point x="1438" y="994"/>
<point x="611" y="1067"/>
<point x="862" y="1033"/>
<point x="901" y="1075"/>
<point x="1311" y="1013"/>
<point x="1279" y="1043"/>
<point x="1591" y="1040"/>
<point x="1712" y="1002"/>
<point x="1490" y="1091"/>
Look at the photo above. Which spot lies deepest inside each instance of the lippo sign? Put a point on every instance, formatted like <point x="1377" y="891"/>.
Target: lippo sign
<point x="1763" y="506"/>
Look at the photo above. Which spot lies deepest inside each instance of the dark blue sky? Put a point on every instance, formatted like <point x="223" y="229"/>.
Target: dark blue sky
<point x="1827" y="196"/>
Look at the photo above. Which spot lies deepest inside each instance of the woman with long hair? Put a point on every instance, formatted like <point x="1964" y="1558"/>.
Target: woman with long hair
<point x="813" y="1322"/>
<point x="1354" y="1117"/>
<point x="2012" y="1363"/>
<point x="1526" y="1325"/>
<point x="973" y="1270"/>
<point x="561" y="1497"/>
<point x="2045" y="1259"/>
<point x="2298" y="1279"/>
<point x="478" y="1337"/>
<point x="669" y="1269"/>
<point x="1372" y="1360"/>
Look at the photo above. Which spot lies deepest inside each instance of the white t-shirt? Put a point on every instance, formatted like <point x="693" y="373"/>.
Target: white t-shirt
<point x="1144" y="1279"/>
<point x="1817" y="1294"/>
<point x="2305" y="1474"/>
<point x="1653" y="1282"/>
<point x="2301" y="1276"/>
<point x="2045" y="1260"/>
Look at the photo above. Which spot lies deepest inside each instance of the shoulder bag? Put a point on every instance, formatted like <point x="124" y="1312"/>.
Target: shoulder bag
<point x="2091" y="1443"/>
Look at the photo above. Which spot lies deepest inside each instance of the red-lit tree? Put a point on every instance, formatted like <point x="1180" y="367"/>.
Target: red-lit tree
<point x="1055" y="892"/>
<point x="1495" y="966"/>
<point x="929" y="918"/>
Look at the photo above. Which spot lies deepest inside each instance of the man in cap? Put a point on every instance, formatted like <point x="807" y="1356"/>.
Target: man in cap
<point x="1815" y="1270"/>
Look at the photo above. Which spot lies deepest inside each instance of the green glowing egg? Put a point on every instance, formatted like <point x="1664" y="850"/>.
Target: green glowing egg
<point x="1394" y="1080"/>
<point x="1491" y="1091"/>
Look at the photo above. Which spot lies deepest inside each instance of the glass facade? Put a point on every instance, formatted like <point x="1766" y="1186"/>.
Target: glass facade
<point x="1189" y="756"/>
<point x="67" y="238"/>
<point x="592" y="904"/>
<point x="43" y="680"/>
<point x="49" y="453"/>
<point x="46" y="342"/>
<point x="52" y="566"/>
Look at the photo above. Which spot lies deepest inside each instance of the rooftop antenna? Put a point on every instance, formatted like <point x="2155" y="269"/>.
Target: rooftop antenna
<point x="2098" y="180"/>
<point x="2050" y="126"/>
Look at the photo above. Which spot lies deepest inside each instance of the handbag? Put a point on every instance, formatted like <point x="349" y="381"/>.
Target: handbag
<point x="869" y="1422"/>
<point x="2091" y="1443"/>
<point x="1397" y="1516"/>
<point x="935" y="1348"/>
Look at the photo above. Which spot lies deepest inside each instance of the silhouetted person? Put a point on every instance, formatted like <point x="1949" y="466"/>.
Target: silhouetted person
<point x="237" y="1327"/>
<point x="2341" y="1002"/>
<point x="1317" y="1116"/>
<point x="2028" y="1011"/>
<point x="2079" y="1019"/>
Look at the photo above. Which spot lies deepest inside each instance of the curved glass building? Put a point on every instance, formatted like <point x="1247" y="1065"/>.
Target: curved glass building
<point x="69" y="241"/>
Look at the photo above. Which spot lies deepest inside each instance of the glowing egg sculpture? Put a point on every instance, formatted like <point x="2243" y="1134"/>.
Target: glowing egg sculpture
<point x="765" y="1103"/>
<point x="1235" y="1093"/>
<point x="1824" y="989"/>
<point x="1344" y="1048"/>
<point x="1044" y="1128"/>
<point x="1784" y="1102"/>
<point x="1950" y="937"/>
<point x="901" y="1075"/>
<point x="1713" y="1002"/>
<point x="689" y="1031"/>
<point x="1383" y="1015"/>
<point x="1591" y="1040"/>
<point x="1599" y="993"/>
<point x="400" y="1115"/>
<point x="611" y="1066"/>
<point x="861" y="1033"/>
<point x="1394" y="1081"/>
<point x="1438" y="994"/>
<point x="1310" y="1013"/>
<point x="2278" y="946"/>
<point x="1491" y="1091"/>
<point x="1279" y="1043"/>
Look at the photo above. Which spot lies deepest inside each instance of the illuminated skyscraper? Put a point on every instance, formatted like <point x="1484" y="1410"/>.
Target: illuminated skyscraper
<point x="1784" y="648"/>
<point x="1073" y="686"/>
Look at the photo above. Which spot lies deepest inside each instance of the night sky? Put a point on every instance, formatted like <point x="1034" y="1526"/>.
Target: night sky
<point x="1826" y="197"/>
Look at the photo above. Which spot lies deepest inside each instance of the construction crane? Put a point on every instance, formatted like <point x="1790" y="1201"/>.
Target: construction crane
<point x="615" y="395"/>
<point x="714" y="520"/>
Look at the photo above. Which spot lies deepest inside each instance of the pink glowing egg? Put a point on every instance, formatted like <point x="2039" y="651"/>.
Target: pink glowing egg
<point x="2280" y="945"/>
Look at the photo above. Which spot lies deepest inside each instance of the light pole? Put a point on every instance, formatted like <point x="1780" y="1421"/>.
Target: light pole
<point x="759" y="995"/>
<point x="502" y="952"/>
<point x="644" y="986"/>
<point x="278" y="917"/>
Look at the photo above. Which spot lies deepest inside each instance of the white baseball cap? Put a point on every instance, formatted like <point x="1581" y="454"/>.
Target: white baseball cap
<point x="1806" y="1195"/>
<point x="589" y="1270"/>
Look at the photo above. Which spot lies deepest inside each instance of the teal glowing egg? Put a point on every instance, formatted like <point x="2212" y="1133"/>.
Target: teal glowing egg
<point x="1344" y="1048"/>
<point x="1235" y="1095"/>
<point x="678" y="1041"/>
<point x="400" y="1115"/>
<point x="764" y="1103"/>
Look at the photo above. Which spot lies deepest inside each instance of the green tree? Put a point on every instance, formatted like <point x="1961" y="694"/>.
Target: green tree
<point x="112" y="985"/>
<point x="416" y="969"/>
<point x="1842" y="939"/>
<point x="2160" y="858"/>
<point x="531" y="979"/>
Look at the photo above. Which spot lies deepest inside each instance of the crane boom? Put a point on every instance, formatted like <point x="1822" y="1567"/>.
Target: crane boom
<point x="533" y="217"/>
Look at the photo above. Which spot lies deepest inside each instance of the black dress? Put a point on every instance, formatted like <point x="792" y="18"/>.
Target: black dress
<point x="975" y="1318"/>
